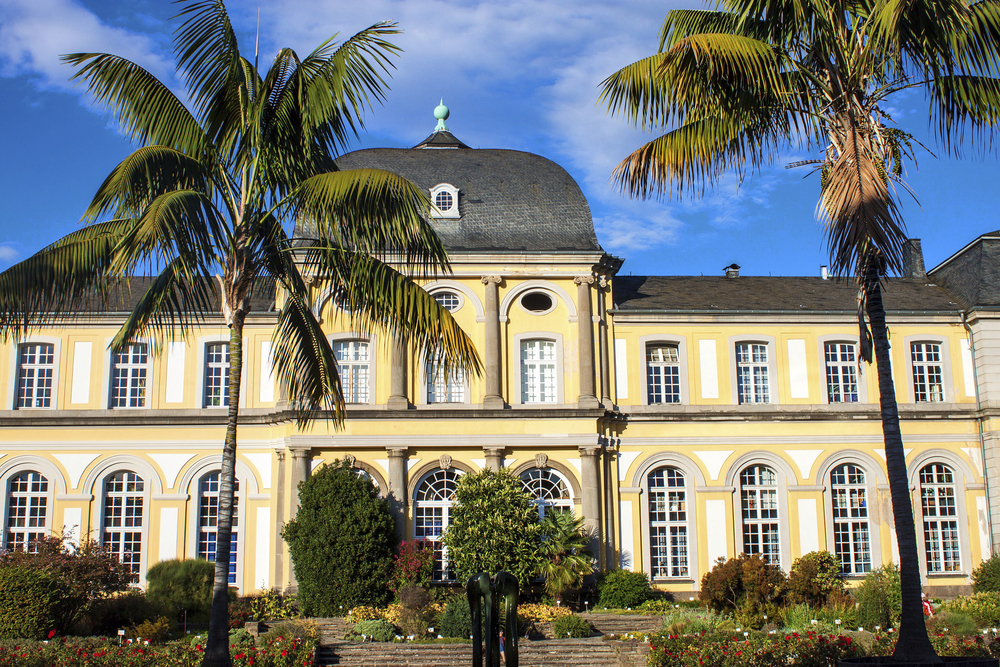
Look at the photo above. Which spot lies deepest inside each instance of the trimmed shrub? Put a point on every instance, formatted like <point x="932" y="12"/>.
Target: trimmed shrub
<point x="986" y="577"/>
<point x="294" y="629"/>
<point x="621" y="589"/>
<point x="341" y="541"/>
<point x="879" y="598"/>
<point x="814" y="578"/>
<point x="745" y="586"/>
<point x="181" y="585"/>
<point x="571" y="626"/>
<point x="29" y="602"/>
<point x="984" y="608"/>
<point x="372" y="631"/>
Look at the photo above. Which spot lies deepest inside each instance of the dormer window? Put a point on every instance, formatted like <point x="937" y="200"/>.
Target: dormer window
<point x="444" y="198"/>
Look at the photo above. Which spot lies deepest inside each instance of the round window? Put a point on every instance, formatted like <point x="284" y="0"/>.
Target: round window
<point x="444" y="201"/>
<point x="537" y="302"/>
<point x="448" y="300"/>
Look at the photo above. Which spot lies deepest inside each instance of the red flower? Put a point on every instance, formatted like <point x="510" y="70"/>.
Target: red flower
<point x="52" y="633"/>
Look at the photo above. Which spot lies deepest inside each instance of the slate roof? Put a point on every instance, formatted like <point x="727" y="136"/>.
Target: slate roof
<point x="509" y="201"/>
<point x="972" y="274"/>
<point x="125" y="299"/>
<point x="756" y="293"/>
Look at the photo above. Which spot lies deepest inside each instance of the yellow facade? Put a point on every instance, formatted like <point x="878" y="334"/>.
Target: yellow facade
<point x="662" y="478"/>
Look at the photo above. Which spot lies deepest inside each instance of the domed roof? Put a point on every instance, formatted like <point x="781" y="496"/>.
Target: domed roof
<point x="508" y="200"/>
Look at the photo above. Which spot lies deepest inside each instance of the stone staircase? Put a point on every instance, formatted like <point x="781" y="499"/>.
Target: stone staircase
<point x="543" y="653"/>
<point x="333" y="650"/>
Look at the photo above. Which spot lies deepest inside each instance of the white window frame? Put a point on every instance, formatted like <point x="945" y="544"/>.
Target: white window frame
<point x="48" y="495"/>
<point x="932" y="488"/>
<point x="694" y="480"/>
<point x="875" y="480"/>
<point x="226" y="370"/>
<point x="105" y="530"/>
<point x="15" y="369"/>
<point x="448" y="213"/>
<point x="856" y="513"/>
<point x="372" y="359"/>
<point x="859" y="372"/>
<point x="445" y="507"/>
<point x="755" y="501"/>
<point x="773" y="383"/>
<point x="450" y="292"/>
<point x="462" y="383"/>
<point x="676" y="500"/>
<point x="683" y="366"/>
<point x="109" y="357"/>
<point x="547" y="477"/>
<point x="547" y="336"/>
<point x="239" y="520"/>
<point x="947" y="389"/>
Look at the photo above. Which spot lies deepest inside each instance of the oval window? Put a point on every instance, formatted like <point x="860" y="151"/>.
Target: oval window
<point x="448" y="300"/>
<point x="444" y="201"/>
<point x="537" y="302"/>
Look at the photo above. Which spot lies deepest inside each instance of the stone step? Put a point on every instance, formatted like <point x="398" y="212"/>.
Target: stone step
<point x="543" y="653"/>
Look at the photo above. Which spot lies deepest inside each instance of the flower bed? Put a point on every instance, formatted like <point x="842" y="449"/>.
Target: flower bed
<point x="100" y="652"/>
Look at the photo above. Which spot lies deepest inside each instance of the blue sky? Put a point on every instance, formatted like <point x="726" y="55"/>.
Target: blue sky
<point x="520" y="74"/>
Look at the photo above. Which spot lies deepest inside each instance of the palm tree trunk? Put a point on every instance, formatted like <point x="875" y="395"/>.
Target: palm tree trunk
<point x="912" y="645"/>
<point x="217" y="644"/>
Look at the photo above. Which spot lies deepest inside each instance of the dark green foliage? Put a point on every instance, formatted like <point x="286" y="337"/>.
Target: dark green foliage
<point x="572" y="626"/>
<point x="879" y="598"/>
<point x="182" y="585"/>
<point x="108" y="615"/>
<point x="622" y="589"/>
<point x="240" y="637"/>
<point x="951" y="622"/>
<point x="85" y="572"/>
<point x="456" y="621"/>
<point x="376" y="630"/>
<point x="745" y="586"/>
<point x="154" y="631"/>
<point x="986" y="577"/>
<point x="342" y="541"/>
<point x="240" y="612"/>
<point x="814" y="578"/>
<point x="28" y="603"/>
<point x="494" y="527"/>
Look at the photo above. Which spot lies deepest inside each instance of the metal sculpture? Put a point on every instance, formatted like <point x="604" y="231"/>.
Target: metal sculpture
<point x="498" y="598"/>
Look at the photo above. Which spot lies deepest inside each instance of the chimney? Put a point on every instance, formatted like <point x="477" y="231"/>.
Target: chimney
<point x="913" y="260"/>
<point x="823" y="273"/>
<point x="733" y="271"/>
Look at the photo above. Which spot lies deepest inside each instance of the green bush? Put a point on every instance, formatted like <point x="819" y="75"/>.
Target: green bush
<point x="240" y="637"/>
<point x="456" y="621"/>
<point x="571" y="626"/>
<point x="105" y="616"/>
<point x="879" y="598"/>
<point x="341" y="540"/>
<point x="295" y="629"/>
<point x="951" y="622"/>
<point x="155" y="632"/>
<point x="622" y="589"/>
<point x="984" y="608"/>
<point x="377" y="630"/>
<point x="986" y="577"/>
<point x="691" y="621"/>
<point x="182" y="585"/>
<point x="746" y="587"/>
<point x="28" y="603"/>
<point x="814" y="578"/>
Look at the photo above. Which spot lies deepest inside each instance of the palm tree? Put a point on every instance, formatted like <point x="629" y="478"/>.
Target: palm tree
<point x="731" y="89"/>
<point x="211" y="192"/>
<point x="564" y="550"/>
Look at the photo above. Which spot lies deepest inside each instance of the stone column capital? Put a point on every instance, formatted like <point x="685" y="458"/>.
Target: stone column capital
<point x="300" y="452"/>
<point x="281" y="453"/>
<point x="397" y="452"/>
<point x="590" y="450"/>
<point x="491" y="280"/>
<point x="584" y="280"/>
<point x="494" y="449"/>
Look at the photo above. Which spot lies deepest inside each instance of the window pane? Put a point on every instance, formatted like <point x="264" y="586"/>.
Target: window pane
<point x="938" y="504"/>
<point x="538" y="371"/>
<point x="752" y="381"/>
<point x="663" y="378"/>
<point x="128" y="377"/>
<point x="352" y="362"/>
<point x="668" y="527"/>
<point x="36" y="365"/>
<point x="759" y="505"/>
<point x="208" y="521"/>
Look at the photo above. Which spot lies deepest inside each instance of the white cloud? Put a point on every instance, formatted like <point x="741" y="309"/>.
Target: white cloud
<point x="8" y="254"/>
<point x="35" y="33"/>
<point x="637" y="230"/>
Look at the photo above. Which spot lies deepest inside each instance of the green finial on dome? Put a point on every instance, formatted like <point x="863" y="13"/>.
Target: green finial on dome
<point x="441" y="112"/>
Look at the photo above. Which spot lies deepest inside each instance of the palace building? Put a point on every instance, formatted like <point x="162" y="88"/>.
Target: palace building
<point x="686" y="418"/>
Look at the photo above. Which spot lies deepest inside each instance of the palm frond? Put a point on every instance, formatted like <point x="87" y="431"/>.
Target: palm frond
<point x="174" y="301"/>
<point x="142" y="177"/>
<point x="146" y="110"/>
<point x="207" y="53"/>
<point x="62" y="277"/>
<point x="961" y="103"/>
<point x="370" y="211"/>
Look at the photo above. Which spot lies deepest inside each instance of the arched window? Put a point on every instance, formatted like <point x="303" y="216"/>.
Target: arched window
<point x="434" y="497"/>
<point x="123" y="509"/>
<point x="849" y="494"/>
<point x="759" y="501"/>
<point x="27" y="510"/>
<point x="940" y="513"/>
<point x="548" y="489"/>
<point x="208" y="521"/>
<point x="668" y="523"/>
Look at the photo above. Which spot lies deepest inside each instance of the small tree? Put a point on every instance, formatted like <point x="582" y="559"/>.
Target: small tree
<point x="747" y="586"/>
<point x="182" y="585"/>
<point x="341" y="541"/>
<point x="565" y="559"/>
<point x="84" y="573"/>
<point x="814" y="578"/>
<point x="494" y="526"/>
